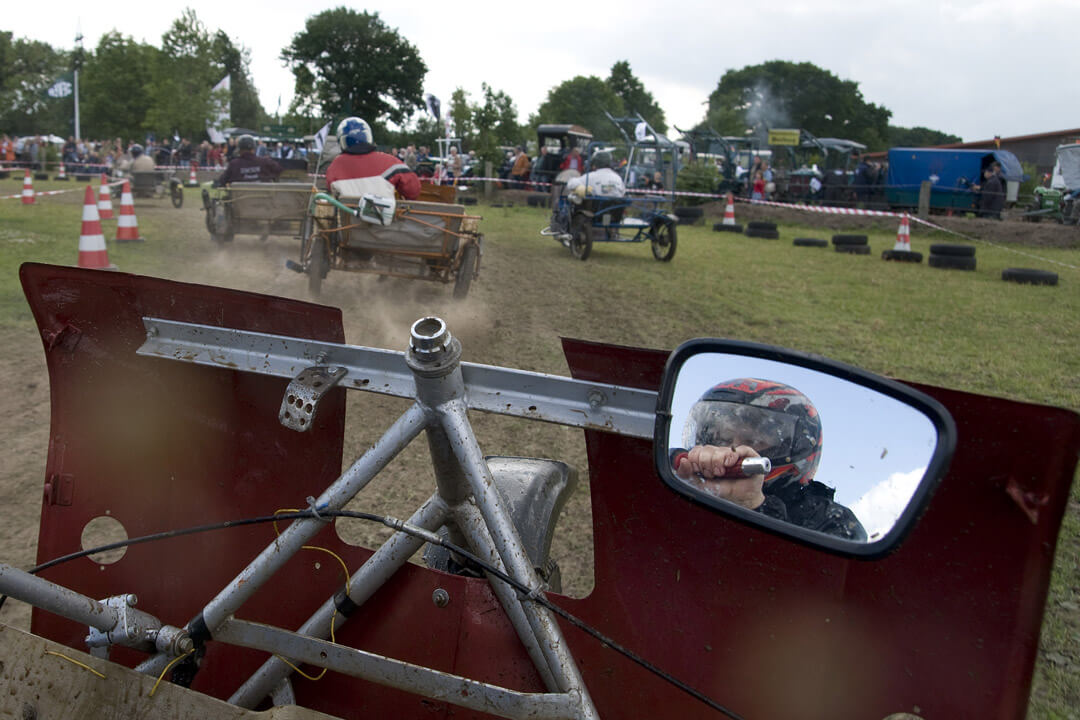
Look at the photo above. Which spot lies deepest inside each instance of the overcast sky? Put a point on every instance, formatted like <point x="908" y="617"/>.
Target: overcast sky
<point x="975" y="69"/>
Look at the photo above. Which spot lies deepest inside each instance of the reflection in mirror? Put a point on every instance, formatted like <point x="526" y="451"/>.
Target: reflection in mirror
<point x="842" y="459"/>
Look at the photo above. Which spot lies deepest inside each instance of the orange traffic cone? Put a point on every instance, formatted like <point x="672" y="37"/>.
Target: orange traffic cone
<point x="193" y="181"/>
<point x="127" y="226"/>
<point x="903" y="235"/>
<point x="729" y="210"/>
<point x="27" y="190"/>
<point x="104" y="204"/>
<point x="92" y="252"/>
<point x="62" y="175"/>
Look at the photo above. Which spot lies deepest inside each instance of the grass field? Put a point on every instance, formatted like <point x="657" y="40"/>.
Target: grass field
<point x="966" y="330"/>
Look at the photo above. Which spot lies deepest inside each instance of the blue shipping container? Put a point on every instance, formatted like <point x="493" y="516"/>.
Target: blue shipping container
<point x="950" y="172"/>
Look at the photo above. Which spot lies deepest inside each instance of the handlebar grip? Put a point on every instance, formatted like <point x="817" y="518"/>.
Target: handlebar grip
<point x="750" y="466"/>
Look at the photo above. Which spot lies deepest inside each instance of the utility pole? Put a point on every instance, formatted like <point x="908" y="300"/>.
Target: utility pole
<point x="78" y="64"/>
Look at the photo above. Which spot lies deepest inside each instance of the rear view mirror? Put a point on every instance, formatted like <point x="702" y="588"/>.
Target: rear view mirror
<point x="811" y="449"/>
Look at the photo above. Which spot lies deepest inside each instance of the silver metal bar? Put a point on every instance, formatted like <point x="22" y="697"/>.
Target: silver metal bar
<point x="508" y="544"/>
<point x="538" y="396"/>
<point x="446" y="687"/>
<point x="57" y="599"/>
<point x="470" y="520"/>
<point x="379" y="568"/>
<point x="289" y="542"/>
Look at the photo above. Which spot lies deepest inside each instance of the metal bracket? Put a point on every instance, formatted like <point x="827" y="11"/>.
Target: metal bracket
<point x="302" y="397"/>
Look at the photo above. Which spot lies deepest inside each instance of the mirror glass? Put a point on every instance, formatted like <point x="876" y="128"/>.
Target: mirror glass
<point x="846" y="460"/>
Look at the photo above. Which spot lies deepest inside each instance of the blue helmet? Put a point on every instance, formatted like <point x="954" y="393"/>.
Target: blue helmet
<point x="352" y="131"/>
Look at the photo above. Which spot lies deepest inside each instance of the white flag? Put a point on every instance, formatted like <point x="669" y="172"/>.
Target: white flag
<point x="320" y="137"/>
<point x="224" y="111"/>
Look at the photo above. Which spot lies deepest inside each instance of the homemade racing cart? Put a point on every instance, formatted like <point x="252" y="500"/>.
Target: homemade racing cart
<point x="409" y="239"/>
<point x="579" y="221"/>
<point x="157" y="184"/>
<point x="254" y="208"/>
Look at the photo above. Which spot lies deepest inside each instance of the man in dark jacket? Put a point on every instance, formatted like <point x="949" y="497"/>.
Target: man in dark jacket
<point x="247" y="167"/>
<point x="992" y="193"/>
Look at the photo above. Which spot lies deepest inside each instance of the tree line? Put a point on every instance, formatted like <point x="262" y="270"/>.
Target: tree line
<point x="346" y="62"/>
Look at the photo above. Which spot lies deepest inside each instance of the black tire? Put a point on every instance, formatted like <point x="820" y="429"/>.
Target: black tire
<point x="468" y="201"/>
<point x="721" y="227"/>
<point x="761" y="225"/>
<point x="216" y="222"/>
<point x="176" y="194"/>
<point x="952" y="250"/>
<point x="810" y="242"/>
<point x="663" y="237"/>
<point x="902" y="256"/>
<point x="766" y="234"/>
<point x="854" y="249"/>
<point x="580" y="237"/>
<point x="689" y="215"/>
<point x="317" y="266"/>
<point x="469" y="260"/>
<point x="1029" y="276"/>
<point x="951" y="262"/>
<point x="849" y="240"/>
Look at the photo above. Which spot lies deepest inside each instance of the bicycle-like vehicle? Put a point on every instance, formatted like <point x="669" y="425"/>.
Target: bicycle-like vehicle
<point x="579" y="221"/>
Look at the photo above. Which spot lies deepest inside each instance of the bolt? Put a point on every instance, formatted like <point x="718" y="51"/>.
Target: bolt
<point x="440" y="597"/>
<point x="152" y="332"/>
<point x="321" y="358"/>
<point x="184" y="645"/>
<point x="596" y="399"/>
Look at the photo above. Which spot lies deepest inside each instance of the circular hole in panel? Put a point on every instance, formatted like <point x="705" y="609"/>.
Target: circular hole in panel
<point x="308" y="408"/>
<point x="292" y="399"/>
<point x="103" y="530"/>
<point x="317" y="383"/>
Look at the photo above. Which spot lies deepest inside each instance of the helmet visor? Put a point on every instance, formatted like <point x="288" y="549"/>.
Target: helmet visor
<point x="728" y="424"/>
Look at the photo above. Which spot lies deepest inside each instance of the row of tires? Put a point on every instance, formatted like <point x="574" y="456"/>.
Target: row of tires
<point x="947" y="256"/>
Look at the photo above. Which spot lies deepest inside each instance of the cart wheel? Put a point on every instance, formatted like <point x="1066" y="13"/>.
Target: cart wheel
<point x="465" y="272"/>
<point x="317" y="266"/>
<point x="216" y="221"/>
<point x="580" y="237"/>
<point x="664" y="237"/>
<point x="177" y="194"/>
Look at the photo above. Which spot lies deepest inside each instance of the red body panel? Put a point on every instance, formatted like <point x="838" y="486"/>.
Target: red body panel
<point x="946" y="627"/>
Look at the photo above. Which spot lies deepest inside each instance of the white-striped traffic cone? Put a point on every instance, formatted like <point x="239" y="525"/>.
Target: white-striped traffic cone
<point x="193" y="181"/>
<point x="92" y="252"/>
<point x="27" y="189"/>
<point x="127" y="226"/>
<point x="729" y="211"/>
<point x="62" y="174"/>
<point x="104" y="204"/>
<point x="903" y="235"/>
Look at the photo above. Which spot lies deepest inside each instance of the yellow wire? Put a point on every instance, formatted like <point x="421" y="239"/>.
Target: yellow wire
<point x="73" y="661"/>
<point x="162" y="675"/>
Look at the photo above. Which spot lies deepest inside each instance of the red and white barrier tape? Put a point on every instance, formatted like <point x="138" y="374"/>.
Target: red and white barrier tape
<point x="58" y="192"/>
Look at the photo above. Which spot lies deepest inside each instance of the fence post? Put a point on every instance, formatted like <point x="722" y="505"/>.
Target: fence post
<point x="924" y="199"/>
<point x="488" y="169"/>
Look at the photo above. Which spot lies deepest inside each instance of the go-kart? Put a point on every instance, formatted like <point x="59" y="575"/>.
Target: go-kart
<point x="207" y="426"/>
<point x="578" y="221"/>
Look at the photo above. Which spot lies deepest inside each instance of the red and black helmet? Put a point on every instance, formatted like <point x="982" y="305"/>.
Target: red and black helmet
<point x="775" y="419"/>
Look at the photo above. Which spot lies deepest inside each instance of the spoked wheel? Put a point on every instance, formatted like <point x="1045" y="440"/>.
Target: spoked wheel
<point x="176" y="194"/>
<point x="469" y="262"/>
<point x="317" y="265"/>
<point x="663" y="237"/>
<point x="216" y="222"/>
<point x="580" y="237"/>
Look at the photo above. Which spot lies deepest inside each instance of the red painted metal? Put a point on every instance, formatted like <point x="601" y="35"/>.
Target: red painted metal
<point x="946" y="627"/>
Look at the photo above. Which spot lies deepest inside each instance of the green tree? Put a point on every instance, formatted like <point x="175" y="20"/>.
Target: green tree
<point x="785" y="94"/>
<point x="461" y="116"/>
<point x="919" y="137"/>
<point x="634" y="96"/>
<point x="244" y="106"/>
<point x="27" y="69"/>
<point x="582" y="101"/>
<point x="183" y="75"/>
<point x="350" y="63"/>
<point x="113" y="96"/>
<point x="496" y="124"/>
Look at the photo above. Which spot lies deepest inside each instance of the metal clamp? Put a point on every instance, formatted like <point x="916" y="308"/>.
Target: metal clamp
<point x="302" y="397"/>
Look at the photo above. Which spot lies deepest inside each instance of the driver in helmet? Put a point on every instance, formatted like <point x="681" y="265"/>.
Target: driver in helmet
<point x="360" y="159"/>
<point x="140" y="161"/>
<point x="748" y="417"/>
<point x="247" y="166"/>
<point x="600" y="181"/>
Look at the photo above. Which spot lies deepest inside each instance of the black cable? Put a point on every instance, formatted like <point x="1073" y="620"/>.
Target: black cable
<point x="525" y="592"/>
